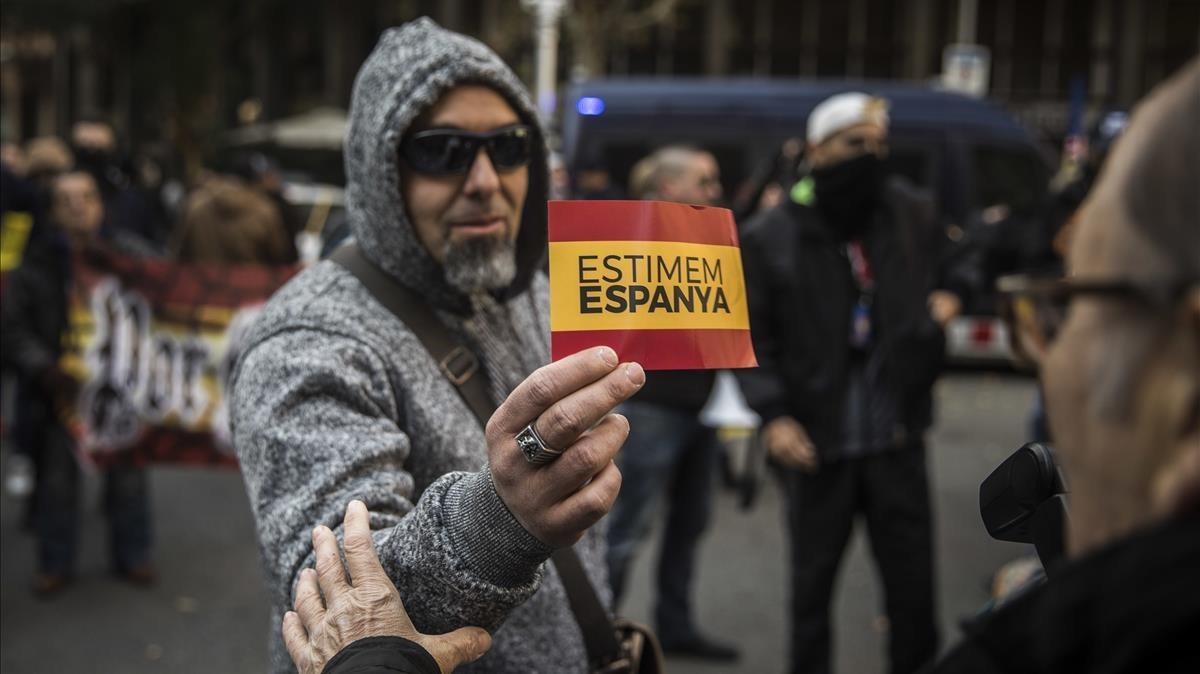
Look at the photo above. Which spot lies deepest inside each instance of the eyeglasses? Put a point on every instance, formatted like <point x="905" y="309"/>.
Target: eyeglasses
<point x="1035" y="307"/>
<point x="452" y="152"/>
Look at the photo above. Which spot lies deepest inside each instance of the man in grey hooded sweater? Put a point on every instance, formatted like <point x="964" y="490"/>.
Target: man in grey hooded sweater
<point x="336" y="399"/>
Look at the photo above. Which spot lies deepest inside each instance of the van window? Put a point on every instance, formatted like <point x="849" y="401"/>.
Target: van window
<point x="1009" y="176"/>
<point x="913" y="163"/>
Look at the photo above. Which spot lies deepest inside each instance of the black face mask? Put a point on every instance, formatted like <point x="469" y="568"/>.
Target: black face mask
<point x="848" y="192"/>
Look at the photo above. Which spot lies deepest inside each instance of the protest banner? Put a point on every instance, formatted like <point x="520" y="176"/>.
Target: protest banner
<point x="152" y="344"/>
<point x="661" y="283"/>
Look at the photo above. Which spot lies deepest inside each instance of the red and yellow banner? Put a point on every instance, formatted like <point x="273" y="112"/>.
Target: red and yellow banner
<point x="661" y="283"/>
<point x="152" y="344"/>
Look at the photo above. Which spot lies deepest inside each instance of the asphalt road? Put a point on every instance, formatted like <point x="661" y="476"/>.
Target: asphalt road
<point x="208" y="613"/>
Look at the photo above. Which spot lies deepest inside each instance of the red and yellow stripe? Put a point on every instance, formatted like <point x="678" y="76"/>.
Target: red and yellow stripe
<point x="601" y="243"/>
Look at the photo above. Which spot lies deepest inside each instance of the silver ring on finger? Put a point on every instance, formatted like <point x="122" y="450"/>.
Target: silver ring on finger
<point x="534" y="449"/>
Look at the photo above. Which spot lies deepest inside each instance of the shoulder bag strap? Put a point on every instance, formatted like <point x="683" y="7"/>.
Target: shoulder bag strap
<point x="456" y="362"/>
<point x="599" y="633"/>
<point x="460" y="366"/>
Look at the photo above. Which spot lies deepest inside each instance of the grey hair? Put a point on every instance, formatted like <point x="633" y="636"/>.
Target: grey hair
<point x="665" y="163"/>
<point x="1148" y="187"/>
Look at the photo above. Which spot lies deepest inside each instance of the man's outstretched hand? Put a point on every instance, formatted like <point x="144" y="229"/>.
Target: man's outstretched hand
<point x="571" y="404"/>
<point x="335" y="607"/>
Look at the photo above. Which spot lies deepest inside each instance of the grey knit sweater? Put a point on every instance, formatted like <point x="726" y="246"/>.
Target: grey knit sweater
<point x="335" y="399"/>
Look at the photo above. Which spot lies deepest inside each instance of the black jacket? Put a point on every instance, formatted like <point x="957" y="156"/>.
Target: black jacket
<point x="34" y="317"/>
<point x="1133" y="607"/>
<point x="682" y="390"/>
<point x="35" y="308"/>
<point x="382" y="655"/>
<point x="801" y="294"/>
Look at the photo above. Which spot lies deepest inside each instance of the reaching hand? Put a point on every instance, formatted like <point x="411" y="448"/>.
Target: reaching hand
<point x="788" y="443"/>
<point x="944" y="306"/>
<point x="360" y="601"/>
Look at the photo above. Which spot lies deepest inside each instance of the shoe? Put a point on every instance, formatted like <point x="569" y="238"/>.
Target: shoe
<point x="697" y="646"/>
<point x="47" y="585"/>
<point x="142" y="575"/>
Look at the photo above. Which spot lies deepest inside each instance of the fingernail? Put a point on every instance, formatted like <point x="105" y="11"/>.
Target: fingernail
<point x="607" y="355"/>
<point x="635" y="373"/>
<point x="316" y="532"/>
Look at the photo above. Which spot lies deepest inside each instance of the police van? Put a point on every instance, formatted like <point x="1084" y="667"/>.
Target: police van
<point x="974" y="157"/>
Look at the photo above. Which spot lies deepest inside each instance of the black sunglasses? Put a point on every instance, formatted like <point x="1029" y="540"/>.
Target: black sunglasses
<point x="1034" y="307"/>
<point x="452" y="152"/>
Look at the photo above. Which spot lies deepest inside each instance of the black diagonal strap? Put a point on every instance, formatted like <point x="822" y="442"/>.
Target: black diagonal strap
<point x="599" y="635"/>
<point x="456" y="362"/>
<point x="461" y="367"/>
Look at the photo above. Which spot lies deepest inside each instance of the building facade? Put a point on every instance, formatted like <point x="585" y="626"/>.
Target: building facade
<point x="185" y="71"/>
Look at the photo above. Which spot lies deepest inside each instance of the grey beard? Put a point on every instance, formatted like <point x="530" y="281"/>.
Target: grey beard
<point x="480" y="264"/>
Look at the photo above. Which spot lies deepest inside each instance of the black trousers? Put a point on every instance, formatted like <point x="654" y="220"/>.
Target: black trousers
<point x="891" y="491"/>
<point x="669" y="456"/>
<point x="56" y="500"/>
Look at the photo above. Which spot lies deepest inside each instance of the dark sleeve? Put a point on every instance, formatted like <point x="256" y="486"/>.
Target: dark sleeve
<point x="22" y="350"/>
<point x="958" y="268"/>
<point x="382" y="655"/>
<point x="951" y="269"/>
<point x="965" y="658"/>
<point x="961" y="268"/>
<point x="314" y="418"/>
<point x="763" y="386"/>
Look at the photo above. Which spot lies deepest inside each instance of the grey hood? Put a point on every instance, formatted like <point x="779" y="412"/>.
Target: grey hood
<point x="408" y="71"/>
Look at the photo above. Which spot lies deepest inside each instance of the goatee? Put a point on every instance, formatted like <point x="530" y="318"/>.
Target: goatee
<point x="479" y="264"/>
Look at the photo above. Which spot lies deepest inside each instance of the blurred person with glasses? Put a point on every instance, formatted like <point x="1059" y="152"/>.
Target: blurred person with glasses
<point x="1117" y="344"/>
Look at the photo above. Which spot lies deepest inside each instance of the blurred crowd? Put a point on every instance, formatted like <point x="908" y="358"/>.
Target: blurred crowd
<point x="60" y="198"/>
<point x="237" y="215"/>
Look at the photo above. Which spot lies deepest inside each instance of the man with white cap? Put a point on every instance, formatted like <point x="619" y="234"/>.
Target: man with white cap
<point x="845" y="312"/>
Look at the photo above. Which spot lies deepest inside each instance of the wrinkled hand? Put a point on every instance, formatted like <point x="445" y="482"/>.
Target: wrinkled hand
<point x="944" y="306"/>
<point x="788" y="443"/>
<point x="362" y="604"/>
<point x="570" y="403"/>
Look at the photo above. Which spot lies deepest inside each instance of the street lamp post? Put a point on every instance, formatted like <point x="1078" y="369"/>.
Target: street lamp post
<point x="968" y="15"/>
<point x="546" y="15"/>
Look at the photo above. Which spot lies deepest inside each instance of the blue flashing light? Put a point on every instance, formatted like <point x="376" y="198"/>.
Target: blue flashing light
<point x="590" y="106"/>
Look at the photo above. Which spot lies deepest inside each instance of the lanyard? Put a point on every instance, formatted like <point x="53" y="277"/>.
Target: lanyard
<point x="860" y="266"/>
<point x="861" y="330"/>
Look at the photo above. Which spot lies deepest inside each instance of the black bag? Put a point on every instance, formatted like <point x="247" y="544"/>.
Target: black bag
<point x="613" y="647"/>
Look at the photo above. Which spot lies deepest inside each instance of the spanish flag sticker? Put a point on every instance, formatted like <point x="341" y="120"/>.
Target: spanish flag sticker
<point x="661" y="283"/>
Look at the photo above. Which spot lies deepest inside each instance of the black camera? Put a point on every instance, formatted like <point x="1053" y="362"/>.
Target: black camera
<point x="1024" y="501"/>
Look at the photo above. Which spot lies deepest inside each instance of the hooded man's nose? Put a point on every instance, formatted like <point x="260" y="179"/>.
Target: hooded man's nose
<point x="482" y="179"/>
